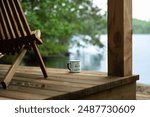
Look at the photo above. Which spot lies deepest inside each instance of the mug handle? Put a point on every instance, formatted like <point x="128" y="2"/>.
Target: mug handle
<point x="68" y="66"/>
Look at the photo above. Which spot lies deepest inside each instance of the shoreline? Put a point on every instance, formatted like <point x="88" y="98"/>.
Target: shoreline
<point x="142" y="91"/>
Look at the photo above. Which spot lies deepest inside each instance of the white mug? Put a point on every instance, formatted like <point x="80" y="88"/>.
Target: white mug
<point x="74" y="66"/>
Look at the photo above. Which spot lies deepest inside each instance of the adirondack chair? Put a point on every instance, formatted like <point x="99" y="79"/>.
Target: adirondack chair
<point x="16" y="37"/>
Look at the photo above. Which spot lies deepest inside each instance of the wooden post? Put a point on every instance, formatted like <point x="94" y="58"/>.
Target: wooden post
<point x="119" y="37"/>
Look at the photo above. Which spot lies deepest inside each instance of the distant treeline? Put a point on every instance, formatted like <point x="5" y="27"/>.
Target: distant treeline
<point x="141" y="26"/>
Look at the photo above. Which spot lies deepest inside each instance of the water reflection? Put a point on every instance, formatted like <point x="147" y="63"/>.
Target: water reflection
<point x="90" y="58"/>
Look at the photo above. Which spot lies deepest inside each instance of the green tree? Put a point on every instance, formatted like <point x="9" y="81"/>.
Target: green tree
<point x="141" y="27"/>
<point x="59" y="20"/>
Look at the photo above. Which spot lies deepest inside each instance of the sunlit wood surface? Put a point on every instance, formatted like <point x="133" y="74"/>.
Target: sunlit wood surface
<point x="28" y="83"/>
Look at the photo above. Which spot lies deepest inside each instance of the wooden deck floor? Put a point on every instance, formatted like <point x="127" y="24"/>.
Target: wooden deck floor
<point x="28" y="83"/>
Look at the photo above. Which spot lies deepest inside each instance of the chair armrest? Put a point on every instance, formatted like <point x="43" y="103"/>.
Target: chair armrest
<point x="37" y="34"/>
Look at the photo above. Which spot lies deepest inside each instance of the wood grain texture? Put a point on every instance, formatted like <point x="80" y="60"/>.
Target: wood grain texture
<point x="119" y="37"/>
<point x="60" y="84"/>
<point x="124" y="92"/>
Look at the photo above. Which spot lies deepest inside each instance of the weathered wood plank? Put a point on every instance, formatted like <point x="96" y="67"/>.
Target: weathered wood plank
<point x="60" y="84"/>
<point x="68" y="87"/>
<point x="56" y="72"/>
<point x="124" y="92"/>
<point x="64" y="76"/>
<point x="80" y="80"/>
<point x="54" y="87"/>
<point x="35" y="90"/>
<point x="51" y="81"/>
<point x="21" y="95"/>
<point x="119" y="37"/>
<point x="6" y="98"/>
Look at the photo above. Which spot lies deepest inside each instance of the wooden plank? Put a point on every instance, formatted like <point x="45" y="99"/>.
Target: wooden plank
<point x="51" y="81"/>
<point x="67" y="77"/>
<point x="12" y="69"/>
<point x="21" y="95"/>
<point x="55" y="87"/>
<point x="6" y="98"/>
<point x="61" y="72"/>
<point x="117" y="93"/>
<point x="48" y="84"/>
<point x="60" y="75"/>
<point x="64" y="76"/>
<point x="73" y="94"/>
<point x="32" y="90"/>
<point x="119" y="37"/>
<point x="62" y="85"/>
<point x="52" y="87"/>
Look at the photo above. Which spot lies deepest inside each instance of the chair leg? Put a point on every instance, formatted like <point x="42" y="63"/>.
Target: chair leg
<point x="9" y="75"/>
<point x="39" y="57"/>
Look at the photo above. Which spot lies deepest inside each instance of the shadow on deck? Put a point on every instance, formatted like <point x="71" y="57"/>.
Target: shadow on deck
<point x="28" y="83"/>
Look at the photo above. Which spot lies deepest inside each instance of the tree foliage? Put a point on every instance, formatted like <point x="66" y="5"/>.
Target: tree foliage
<point x="141" y="27"/>
<point x="59" y="20"/>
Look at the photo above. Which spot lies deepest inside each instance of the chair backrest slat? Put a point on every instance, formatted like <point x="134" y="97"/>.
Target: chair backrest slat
<point x="6" y="20"/>
<point x="12" y="19"/>
<point x="3" y="23"/>
<point x="4" y="30"/>
<point x="17" y="18"/>
<point x="14" y="27"/>
<point x="1" y="38"/>
<point x="22" y="16"/>
<point x="1" y="31"/>
<point x="15" y="23"/>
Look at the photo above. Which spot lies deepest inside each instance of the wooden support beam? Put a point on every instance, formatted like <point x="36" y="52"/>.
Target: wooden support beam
<point x="119" y="37"/>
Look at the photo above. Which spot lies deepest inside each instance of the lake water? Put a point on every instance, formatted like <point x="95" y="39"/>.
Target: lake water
<point x="95" y="59"/>
<point x="141" y="57"/>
